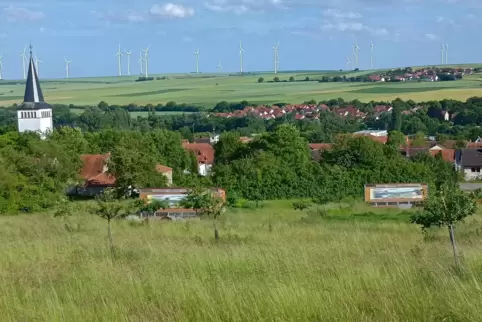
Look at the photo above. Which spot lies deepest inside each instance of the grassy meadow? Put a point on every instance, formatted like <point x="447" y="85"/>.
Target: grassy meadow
<point x="208" y="89"/>
<point x="339" y="263"/>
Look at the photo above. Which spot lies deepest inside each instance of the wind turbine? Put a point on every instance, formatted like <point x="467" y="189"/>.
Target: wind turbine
<point x="241" y="51"/>
<point x="353" y="52"/>
<point x="357" y="49"/>
<point x="128" y="54"/>
<point x="146" y="59"/>
<point x="140" y="61"/>
<point x="275" y="48"/>
<point x="1" y="66"/>
<point x="371" y="55"/>
<point x="36" y="63"/>
<point x="348" y="62"/>
<point x="442" y="50"/>
<point x="24" y="60"/>
<point x="220" y="66"/>
<point x="196" y="53"/>
<point x="67" y="62"/>
<point x="119" y="61"/>
<point x="446" y="53"/>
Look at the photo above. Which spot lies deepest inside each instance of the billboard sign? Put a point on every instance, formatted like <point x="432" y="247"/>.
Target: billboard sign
<point x="172" y="199"/>
<point x="173" y="196"/>
<point x="395" y="192"/>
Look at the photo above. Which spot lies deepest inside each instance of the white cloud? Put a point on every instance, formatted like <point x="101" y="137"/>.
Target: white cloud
<point x="15" y="14"/>
<point x="168" y="10"/>
<point x="171" y="10"/>
<point x="354" y="26"/>
<point x="430" y="36"/>
<point x="343" y="26"/>
<point x="337" y="14"/>
<point x="243" y="6"/>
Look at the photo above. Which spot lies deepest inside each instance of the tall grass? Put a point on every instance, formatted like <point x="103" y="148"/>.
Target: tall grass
<point x="310" y="267"/>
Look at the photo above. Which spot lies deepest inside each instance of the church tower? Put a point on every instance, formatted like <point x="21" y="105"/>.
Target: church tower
<point x="34" y="114"/>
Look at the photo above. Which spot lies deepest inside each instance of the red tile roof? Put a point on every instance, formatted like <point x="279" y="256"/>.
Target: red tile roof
<point x="203" y="151"/>
<point x="380" y="139"/>
<point x="94" y="170"/>
<point x="447" y="154"/>
<point x="245" y="139"/>
<point x="163" y="169"/>
<point x="93" y="164"/>
<point x="320" y="146"/>
<point x="102" y="179"/>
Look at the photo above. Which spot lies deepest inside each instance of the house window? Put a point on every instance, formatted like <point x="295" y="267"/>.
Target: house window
<point x="477" y="169"/>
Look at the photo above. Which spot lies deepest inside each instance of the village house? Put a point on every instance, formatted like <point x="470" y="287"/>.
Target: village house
<point x="469" y="162"/>
<point x="96" y="177"/>
<point x="204" y="153"/>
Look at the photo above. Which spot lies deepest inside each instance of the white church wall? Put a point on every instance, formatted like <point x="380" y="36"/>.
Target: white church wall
<point x="32" y="121"/>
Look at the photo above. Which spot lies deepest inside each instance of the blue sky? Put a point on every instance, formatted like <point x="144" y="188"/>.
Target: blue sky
<point x="314" y="34"/>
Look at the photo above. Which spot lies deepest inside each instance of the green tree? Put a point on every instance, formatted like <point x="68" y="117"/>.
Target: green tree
<point x="205" y="202"/>
<point x="307" y="79"/>
<point x="396" y="139"/>
<point x="396" y="123"/>
<point x="419" y="140"/>
<point x="228" y="148"/>
<point x="134" y="168"/>
<point x="441" y="138"/>
<point x="64" y="210"/>
<point x="149" y="208"/>
<point x="276" y="79"/>
<point x="291" y="79"/>
<point x="447" y="206"/>
<point x="108" y="207"/>
<point x="260" y="80"/>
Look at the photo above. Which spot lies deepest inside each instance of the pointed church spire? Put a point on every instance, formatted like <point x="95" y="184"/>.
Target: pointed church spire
<point x="33" y="92"/>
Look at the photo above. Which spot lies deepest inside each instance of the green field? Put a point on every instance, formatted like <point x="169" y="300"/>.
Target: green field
<point x="336" y="264"/>
<point x="208" y="89"/>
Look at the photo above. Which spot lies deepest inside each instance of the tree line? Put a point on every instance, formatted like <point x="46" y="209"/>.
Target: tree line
<point x="279" y="165"/>
<point x="409" y="117"/>
<point x="276" y="165"/>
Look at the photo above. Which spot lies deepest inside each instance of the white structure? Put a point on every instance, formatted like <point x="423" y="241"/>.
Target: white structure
<point x="356" y="50"/>
<point x="128" y="54"/>
<point x="372" y="132"/>
<point x="241" y="51"/>
<point x="34" y="115"/>
<point x="196" y="53"/>
<point x="24" y="60"/>
<point x="348" y="63"/>
<point x="146" y="59"/>
<point x="37" y="61"/>
<point x="119" y="61"/>
<point x="141" y="59"/>
<point x="371" y="55"/>
<point x="67" y="63"/>
<point x="1" y="66"/>
<point x="446" y="54"/>
<point x="220" y="66"/>
<point x="275" y="48"/>
<point x="442" y="50"/>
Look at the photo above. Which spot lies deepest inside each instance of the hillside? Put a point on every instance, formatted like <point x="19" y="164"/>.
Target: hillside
<point x="208" y="89"/>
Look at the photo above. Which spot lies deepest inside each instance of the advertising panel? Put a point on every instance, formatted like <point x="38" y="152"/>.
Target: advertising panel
<point x="395" y="192"/>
